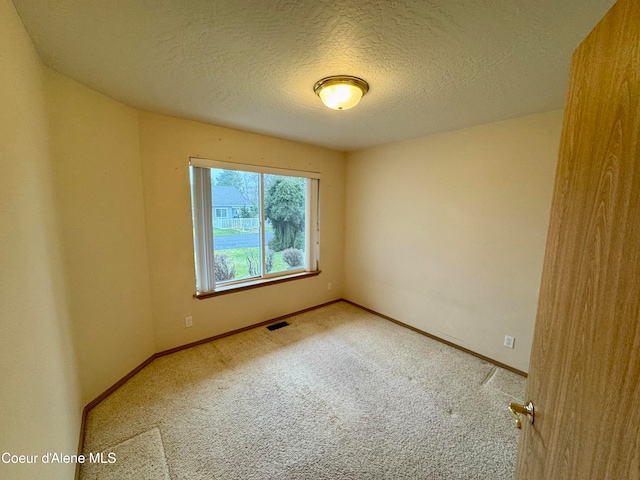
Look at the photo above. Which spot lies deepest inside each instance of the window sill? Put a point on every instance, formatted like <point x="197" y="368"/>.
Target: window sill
<point x="255" y="284"/>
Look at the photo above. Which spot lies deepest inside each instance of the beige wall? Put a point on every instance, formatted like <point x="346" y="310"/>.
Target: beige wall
<point x="166" y="145"/>
<point x="447" y="233"/>
<point x="40" y="405"/>
<point x="95" y="146"/>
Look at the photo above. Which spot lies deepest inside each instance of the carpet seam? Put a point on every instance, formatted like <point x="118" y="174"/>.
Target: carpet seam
<point x="489" y="376"/>
<point x="164" y="453"/>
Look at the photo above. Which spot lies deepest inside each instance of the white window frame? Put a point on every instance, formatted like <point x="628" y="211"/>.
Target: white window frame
<point x="201" y="199"/>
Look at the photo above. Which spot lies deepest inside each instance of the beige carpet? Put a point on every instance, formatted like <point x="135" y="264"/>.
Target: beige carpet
<point x="337" y="394"/>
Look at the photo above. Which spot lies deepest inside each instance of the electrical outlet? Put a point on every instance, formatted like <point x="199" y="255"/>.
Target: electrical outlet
<point x="329" y="286"/>
<point x="188" y="322"/>
<point x="509" y="341"/>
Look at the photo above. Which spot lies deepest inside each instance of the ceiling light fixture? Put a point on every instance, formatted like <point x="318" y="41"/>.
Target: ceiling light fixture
<point x="341" y="92"/>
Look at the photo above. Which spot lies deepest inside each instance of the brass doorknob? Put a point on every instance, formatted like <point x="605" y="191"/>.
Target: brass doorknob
<point x="516" y="409"/>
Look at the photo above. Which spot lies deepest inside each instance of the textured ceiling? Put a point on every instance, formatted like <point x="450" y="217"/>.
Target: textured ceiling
<point x="432" y="65"/>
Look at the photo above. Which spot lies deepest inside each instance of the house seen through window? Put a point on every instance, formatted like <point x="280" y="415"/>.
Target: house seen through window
<point x="252" y="223"/>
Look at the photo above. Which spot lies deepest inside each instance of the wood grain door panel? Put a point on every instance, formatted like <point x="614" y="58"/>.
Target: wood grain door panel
<point x="584" y="378"/>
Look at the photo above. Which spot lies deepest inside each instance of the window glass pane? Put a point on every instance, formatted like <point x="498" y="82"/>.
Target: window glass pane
<point x="236" y="224"/>
<point x="251" y="225"/>
<point x="284" y="210"/>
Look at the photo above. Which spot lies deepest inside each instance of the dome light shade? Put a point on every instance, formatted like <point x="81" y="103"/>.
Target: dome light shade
<point x="341" y="92"/>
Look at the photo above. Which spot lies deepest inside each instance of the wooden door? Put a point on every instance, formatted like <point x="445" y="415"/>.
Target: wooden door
<point x="584" y="379"/>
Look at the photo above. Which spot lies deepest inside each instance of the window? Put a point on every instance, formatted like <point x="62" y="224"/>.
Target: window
<point x="252" y="225"/>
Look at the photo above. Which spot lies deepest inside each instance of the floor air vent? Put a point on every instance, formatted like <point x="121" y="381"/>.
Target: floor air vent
<point x="276" y="326"/>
